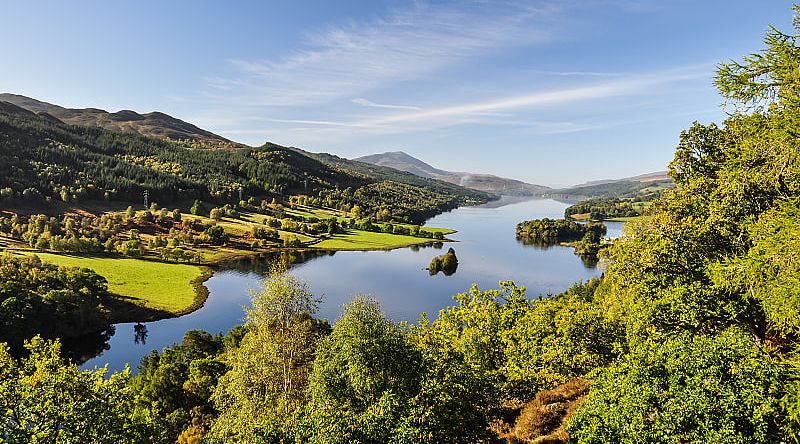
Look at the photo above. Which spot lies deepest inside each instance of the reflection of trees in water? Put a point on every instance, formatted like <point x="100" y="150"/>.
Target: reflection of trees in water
<point x="140" y="333"/>
<point x="260" y="264"/>
<point x="536" y="243"/>
<point x="446" y="271"/>
<point x="82" y="348"/>
<point x="589" y="260"/>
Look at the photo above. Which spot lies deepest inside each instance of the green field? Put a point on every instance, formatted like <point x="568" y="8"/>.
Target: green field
<point x="358" y="240"/>
<point x="624" y="219"/>
<point x="155" y="285"/>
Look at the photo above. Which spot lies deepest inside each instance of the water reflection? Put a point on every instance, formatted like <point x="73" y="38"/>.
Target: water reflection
<point x="140" y="334"/>
<point x="82" y="348"/>
<point x="261" y="264"/>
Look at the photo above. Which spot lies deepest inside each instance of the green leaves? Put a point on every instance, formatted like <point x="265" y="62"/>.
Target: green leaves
<point x="267" y="379"/>
<point x="692" y="389"/>
<point x="38" y="298"/>
<point x="43" y="400"/>
<point x="365" y="370"/>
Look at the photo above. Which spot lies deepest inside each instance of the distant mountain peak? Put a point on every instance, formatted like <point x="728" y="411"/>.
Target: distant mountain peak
<point x="403" y="161"/>
<point x="155" y="124"/>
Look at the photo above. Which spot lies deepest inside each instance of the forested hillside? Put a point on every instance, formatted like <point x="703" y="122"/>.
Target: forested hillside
<point x="43" y="159"/>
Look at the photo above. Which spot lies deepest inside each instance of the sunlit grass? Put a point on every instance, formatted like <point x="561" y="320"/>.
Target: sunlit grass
<point x="157" y="285"/>
<point x="368" y="240"/>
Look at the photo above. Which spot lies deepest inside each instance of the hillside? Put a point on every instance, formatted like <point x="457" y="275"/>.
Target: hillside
<point x="640" y="186"/>
<point x="154" y="124"/>
<point x="483" y="182"/>
<point x="49" y="161"/>
<point x="658" y="176"/>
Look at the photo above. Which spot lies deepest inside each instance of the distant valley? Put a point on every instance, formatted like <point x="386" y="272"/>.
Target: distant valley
<point x="482" y="182"/>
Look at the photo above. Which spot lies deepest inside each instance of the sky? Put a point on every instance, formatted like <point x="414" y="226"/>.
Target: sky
<point x="549" y="92"/>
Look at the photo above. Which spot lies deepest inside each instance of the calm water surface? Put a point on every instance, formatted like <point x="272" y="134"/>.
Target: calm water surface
<point x="487" y="251"/>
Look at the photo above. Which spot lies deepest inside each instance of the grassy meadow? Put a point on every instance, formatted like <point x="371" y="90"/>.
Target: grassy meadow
<point x="155" y="285"/>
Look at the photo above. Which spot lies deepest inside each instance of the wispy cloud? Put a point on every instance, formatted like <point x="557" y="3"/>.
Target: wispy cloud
<point x="581" y="73"/>
<point x="406" y="44"/>
<point x="632" y="85"/>
<point x="529" y="110"/>
<point x="371" y="104"/>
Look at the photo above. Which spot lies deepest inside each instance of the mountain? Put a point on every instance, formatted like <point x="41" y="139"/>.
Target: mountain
<point x="657" y="176"/>
<point x="482" y="182"/>
<point x="154" y="124"/>
<point x="403" y="162"/>
<point x="385" y="173"/>
<point x="44" y="161"/>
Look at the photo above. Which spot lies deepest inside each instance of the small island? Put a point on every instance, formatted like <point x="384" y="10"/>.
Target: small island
<point x="586" y="238"/>
<point x="446" y="263"/>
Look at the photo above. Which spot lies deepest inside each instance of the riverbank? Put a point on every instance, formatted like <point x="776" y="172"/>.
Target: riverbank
<point x="148" y="288"/>
<point x="175" y="251"/>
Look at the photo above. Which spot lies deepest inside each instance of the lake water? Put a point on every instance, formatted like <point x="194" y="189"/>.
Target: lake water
<point x="486" y="247"/>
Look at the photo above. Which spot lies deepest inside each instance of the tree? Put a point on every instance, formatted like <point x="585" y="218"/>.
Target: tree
<point x="216" y="235"/>
<point x="268" y="374"/>
<point x="692" y="389"/>
<point x="44" y="399"/>
<point x="364" y="374"/>
<point x="176" y="385"/>
<point x="40" y="298"/>
<point x="448" y="263"/>
<point x="707" y="286"/>
<point x="215" y="214"/>
<point x="197" y="208"/>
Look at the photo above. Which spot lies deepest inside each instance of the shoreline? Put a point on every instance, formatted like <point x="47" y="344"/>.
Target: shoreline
<point x="123" y="309"/>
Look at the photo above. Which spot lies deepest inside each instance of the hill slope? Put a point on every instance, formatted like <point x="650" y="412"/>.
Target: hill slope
<point x="47" y="160"/>
<point x="643" y="186"/>
<point x="154" y="124"/>
<point x="483" y="182"/>
<point x="658" y="176"/>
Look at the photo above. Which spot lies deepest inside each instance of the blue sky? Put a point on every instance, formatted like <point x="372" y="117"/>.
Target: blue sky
<point x="550" y="92"/>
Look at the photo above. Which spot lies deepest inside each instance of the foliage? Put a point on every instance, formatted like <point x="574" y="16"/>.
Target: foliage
<point x="43" y="400"/>
<point x="47" y="160"/>
<point x="447" y="263"/>
<point x="707" y="286"/>
<point x="363" y="375"/>
<point x="690" y="388"/>
<point x="605" y="208"/>
<point x="176" y="385"/>
<point x="623" y="189"/>
<point x="269" y="371"/>
<point x="552" y="231"/>
<point x="55" y="301"/>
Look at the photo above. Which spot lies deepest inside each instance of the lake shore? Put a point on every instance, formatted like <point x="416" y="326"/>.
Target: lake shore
<point x="147" y="289"/>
